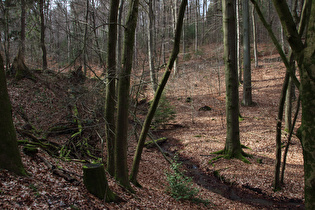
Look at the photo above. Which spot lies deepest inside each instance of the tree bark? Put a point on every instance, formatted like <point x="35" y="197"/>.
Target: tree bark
<point x="151" y="55"/>
<point x="121" y="143"/>
<point x="255" y="37"/>
<point x="238" y="43"/>
<point x="42" y="34"/>
<point x="154" y="105"/>
<point x="247" y="85"/>
<point x="95" y="181"/>
<point x="110" y="102"/>
<point x="308" y="112"/>
<point x="232" y="144"/>
<point x="10" y="158"/>
<point x="305" y="58"/>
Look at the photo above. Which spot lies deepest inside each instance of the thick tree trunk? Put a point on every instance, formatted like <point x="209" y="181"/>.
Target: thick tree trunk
<point x="304" y="54"/>
<point x="10" y="158"/>
<point x="95" y="181"/>
<point x="121" y="143"/>
<point x="308" y="112"/>
<point x="232" y="145"/>
<point x="110" y="102"/>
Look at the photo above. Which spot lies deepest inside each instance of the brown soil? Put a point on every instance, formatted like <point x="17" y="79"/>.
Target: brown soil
<point x="194" y="135"/>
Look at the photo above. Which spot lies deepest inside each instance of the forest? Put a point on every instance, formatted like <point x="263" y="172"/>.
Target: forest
<point x="157" y="104"/>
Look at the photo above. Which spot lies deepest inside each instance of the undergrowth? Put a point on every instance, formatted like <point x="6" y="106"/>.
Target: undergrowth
<point x="180" y="186"/>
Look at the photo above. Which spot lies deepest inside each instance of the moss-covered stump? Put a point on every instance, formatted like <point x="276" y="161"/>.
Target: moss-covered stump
<point x="20" y="70"/>
<point x="95" y="181"/>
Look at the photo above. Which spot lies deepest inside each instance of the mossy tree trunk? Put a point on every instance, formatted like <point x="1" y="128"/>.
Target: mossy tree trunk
<point x="232" y="144"/>
<point x="305" y="57"/>
<point x="10" y="158"/>
<point x="121" y="143"/>
<point x="95" y="181"/>
<point x="158" y="94"/>
<point x="308" y="112"/>
<point x="110" y="102"/>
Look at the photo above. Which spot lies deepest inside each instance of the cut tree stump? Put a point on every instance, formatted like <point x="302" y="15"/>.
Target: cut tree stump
<point x="95" y="181"/>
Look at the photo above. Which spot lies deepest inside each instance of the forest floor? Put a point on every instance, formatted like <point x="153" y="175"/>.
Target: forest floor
<point x="193" y="135"/>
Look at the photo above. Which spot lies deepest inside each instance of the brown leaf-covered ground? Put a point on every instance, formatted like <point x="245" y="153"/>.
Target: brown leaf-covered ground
<point x="194" y="135"/>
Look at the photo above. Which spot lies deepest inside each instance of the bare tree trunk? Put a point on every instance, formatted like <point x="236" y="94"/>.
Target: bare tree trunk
<point x="120" y="35"/>
<point x="151" y="31"/>
<point x="22" y="36"/>
<point x="247" y="85"/>
<point x="110" y="102"/>
<point x="153" y="107"/>
<point x="121" y="143"/>
<point x="238" y="43"/>
<point x="232" y="147"/>
<point x="197" y="26"/>
<point x="42" y="34"/>
<point x="85" y="37"/>
<point x="9" y="152"/>
<point x="174" y="15"/>
<point x="7" y="36"/>
<point x="255" y="37"/>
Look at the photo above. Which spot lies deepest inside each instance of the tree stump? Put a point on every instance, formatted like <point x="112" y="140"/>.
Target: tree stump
<point x="95" y="181"/>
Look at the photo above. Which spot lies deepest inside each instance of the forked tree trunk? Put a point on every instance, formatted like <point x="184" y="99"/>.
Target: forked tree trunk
<point x="10" y="158"/>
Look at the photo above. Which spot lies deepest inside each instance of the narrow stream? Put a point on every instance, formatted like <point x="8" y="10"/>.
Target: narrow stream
<point x="243" y="194"/>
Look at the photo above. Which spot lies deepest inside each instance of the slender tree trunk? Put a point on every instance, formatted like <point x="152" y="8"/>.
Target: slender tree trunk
<point x="153" y="107"/>
<point x="278" y="132"/>
<point x="42" y="34"/>
<point x="238" y="43"/>
<point x="85" y="53"/>
<point x="174" y="15"/>
<point x="120" y="35"/>
<point x="247" y="85"/>
<point x="289" y="97"/>
<point x="22" y="37"/>
<point x="151" y="55"/>
<point x="110" y="102"/>
<point x="255" y="37"/>
<point x="121" y="143"/>
<point x="197" y="26"/>
<point x="7" y="36"/>
<point x="10" y="158"/>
